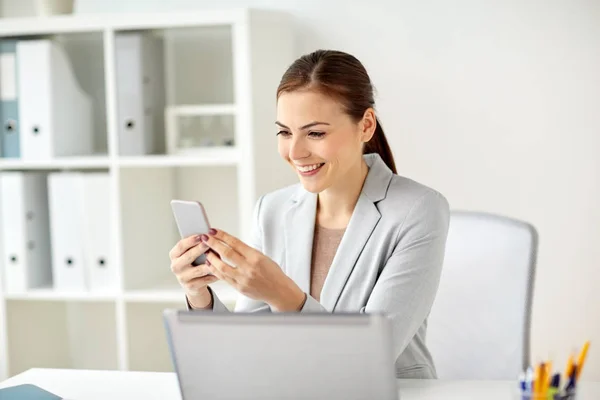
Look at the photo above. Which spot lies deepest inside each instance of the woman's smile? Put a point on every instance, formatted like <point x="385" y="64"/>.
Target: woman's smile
<point x="309" y="169"/>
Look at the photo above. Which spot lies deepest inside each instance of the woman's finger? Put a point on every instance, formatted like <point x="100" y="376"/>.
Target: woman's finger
<point x="233" y="242"/>
<point x="181" y="263"/>
<point x="220" y="269"/>
<point x="215" y="272"/>
<point x="194" y="272"/>
<point x="195" y="252"/>
<point x="184" y="245"/>
<point x="234" y="258"/>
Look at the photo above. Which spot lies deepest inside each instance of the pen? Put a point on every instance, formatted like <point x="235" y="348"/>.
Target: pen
<point x="522" y="382"/>
<point x="523" y="386"/>
<point x="529" y="380"/>
<point x="581" y="358"/>
<point x="571" y="380"/>
<point x="554" y="386"/>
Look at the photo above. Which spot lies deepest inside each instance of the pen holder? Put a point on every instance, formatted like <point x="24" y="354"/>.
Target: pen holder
<point x="562" y="395"/>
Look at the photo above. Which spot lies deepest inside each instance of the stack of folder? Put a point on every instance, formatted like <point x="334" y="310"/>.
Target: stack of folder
<point x="140" y="93"/>
<point x="9" y="110"/>
<point x="55" y="231"/>
<point x="45" y="113"/>
<point x="55" y="226"/>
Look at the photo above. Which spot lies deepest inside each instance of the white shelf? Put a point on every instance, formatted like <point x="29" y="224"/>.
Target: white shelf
<point x="53" y="295"/>
<point x="83" y="162"/>
<point x="121" y="21"/>
<point x="212" y="156"/>
<point x="224" y="78"/>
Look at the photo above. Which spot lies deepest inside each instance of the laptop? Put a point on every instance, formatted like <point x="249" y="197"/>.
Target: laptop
<point x="281" y="355"/>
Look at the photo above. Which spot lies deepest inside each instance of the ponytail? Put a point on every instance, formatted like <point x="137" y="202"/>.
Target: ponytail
<point x="379" y="144"/>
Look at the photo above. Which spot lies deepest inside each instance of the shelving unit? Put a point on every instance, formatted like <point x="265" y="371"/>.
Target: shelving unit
<point x="76" y="163"/>
<point x="216" y="64"/>
<point x="210" y="157"/>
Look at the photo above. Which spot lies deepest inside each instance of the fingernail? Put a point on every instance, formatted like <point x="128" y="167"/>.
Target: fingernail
<point x="198" y="238"/>
<point x="212" y="231"/>
<point x="204" y="237"/>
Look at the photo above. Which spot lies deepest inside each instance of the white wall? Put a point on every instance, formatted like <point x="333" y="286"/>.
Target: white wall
<point x="497" y="105"/>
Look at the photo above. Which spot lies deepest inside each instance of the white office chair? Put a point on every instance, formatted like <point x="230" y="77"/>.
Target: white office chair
<point x="480" y="322"/>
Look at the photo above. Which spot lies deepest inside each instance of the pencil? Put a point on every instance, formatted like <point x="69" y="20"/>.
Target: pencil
<point x="537" y="379"/>
<point x="570" y="364"/>
<point x="547" y="378"/>
<point x="581" y="358"/>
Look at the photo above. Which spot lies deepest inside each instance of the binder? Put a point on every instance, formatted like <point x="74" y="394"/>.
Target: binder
<point x="99" y="261"/>
<point x="24" y="219"/>
<point x="65" y="196"/>
<point x="9" y="107"/>
<point x="140" y="93"/>
<point x="80" y="231"/>
<point x="55" y="114"/>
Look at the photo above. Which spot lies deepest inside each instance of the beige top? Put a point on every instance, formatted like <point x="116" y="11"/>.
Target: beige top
<point x="325" y="244"/>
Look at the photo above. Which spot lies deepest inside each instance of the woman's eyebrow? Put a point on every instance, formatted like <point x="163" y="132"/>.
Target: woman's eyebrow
<point x="309" y="125"/>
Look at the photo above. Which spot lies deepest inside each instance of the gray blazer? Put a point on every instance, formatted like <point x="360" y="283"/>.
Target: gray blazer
<point x="389" y="260"/>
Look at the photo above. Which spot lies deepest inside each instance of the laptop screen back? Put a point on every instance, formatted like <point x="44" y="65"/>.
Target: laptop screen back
<point x="281" y="355"/>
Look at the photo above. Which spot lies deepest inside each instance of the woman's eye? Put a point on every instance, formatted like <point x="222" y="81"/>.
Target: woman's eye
<point x="316" y="134"/>
<point x="283" y="133"/>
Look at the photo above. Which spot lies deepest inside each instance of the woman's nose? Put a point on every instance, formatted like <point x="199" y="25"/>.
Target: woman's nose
<point x="298" y="149"/>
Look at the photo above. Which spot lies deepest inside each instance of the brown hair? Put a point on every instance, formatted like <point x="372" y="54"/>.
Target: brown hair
<point x="344" y="78"/>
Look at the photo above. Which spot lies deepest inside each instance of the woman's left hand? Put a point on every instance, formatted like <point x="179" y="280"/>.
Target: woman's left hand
<point x="250" y="272"/>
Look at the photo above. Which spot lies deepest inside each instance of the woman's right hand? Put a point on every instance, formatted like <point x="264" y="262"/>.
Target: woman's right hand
<point x="193" y="279"/>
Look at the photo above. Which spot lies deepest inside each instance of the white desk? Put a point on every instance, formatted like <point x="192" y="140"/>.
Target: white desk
<point x="118" y="385"/>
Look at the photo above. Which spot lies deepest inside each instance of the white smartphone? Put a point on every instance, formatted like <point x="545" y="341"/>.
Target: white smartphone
<point x="191" y="219"/>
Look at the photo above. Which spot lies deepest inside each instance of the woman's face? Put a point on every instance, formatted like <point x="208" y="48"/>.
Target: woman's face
<point x="318" y="139"/>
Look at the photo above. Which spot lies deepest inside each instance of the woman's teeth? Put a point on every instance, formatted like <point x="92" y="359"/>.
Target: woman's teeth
<point x="308" y="168"/>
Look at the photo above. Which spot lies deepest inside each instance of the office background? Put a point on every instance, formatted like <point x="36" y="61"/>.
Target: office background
<point x="495" y="104"/>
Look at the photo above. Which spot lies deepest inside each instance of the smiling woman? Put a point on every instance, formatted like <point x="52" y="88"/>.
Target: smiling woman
<point x="356" y="236"/>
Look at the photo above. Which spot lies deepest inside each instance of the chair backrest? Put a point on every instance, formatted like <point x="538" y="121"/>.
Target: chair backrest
<point x="480" y="322"/>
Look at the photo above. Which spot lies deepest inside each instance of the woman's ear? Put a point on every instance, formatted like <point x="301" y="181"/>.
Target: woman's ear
<point x="368" y="124"/>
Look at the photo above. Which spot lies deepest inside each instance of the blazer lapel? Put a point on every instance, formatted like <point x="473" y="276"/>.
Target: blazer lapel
<point x="300" y="228"/>
<point x="359" y="229"/>
<point x="299" y="231"/>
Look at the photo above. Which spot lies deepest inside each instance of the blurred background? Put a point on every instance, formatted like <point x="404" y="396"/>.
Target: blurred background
<point x="493" y="103"/>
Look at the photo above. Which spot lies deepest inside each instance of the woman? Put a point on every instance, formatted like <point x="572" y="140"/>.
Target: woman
<point x="352" y="236"/>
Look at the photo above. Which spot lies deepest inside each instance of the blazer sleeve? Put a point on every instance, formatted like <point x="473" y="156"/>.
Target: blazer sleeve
<point x="408" y="283"/>
<point x="243" y="303"/>
<point x="406" y="288"/>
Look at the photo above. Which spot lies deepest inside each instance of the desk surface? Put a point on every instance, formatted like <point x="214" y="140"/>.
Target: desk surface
<point x="120" y="385"/>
